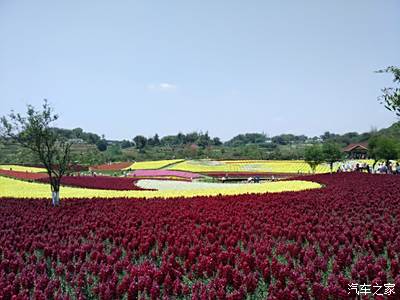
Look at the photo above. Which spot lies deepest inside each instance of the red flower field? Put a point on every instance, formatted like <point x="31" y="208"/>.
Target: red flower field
<point x="23" y="175"/>
<point x="98" y="182"/>
<point x="296" y="245"/>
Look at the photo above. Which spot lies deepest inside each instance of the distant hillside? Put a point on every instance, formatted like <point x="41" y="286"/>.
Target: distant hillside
<point x="392" y="131"/>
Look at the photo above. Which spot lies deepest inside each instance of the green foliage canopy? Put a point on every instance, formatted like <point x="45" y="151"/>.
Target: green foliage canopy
<point x="313" y="155"/>
<point x="382" y="147"/>
<point x="332" y="153"/>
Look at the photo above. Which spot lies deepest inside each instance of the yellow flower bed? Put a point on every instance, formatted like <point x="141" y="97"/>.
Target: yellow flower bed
<point x="22" y="168"/>
<point x="22" y="189"/>
<point x="152" y="165"/>
<point x="199" y="166"/>
<point x="247" y="166"/>
<point x="234" y="166"/>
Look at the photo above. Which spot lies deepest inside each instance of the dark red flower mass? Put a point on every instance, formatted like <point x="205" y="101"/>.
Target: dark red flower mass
<point x="294" y="245"/>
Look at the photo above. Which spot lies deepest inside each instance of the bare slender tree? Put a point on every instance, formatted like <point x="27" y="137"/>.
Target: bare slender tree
<point x="33" y="131"/>
<point x="391" y="95"/>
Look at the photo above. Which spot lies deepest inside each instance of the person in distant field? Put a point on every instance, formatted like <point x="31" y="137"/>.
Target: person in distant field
<point x="368" y="169"/>
<point x="223" y="179"/>
<point x="393" y="168"/>
<point x="357" y="167"/>
<point x="383" y="169"/>
<point x="250" y="179"/>
<point x="389" y="168"/>
<point x="397" y="168"/>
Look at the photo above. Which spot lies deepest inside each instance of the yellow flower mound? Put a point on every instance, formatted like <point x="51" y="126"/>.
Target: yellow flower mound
<point x="22" y="168"/>
<point x="152" y="165"/>
<point x="21" y="189"/>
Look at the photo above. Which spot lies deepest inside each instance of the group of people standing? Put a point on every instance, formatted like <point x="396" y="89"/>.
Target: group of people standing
<point x="390" y="168"/>
<point x="379" y="168"/>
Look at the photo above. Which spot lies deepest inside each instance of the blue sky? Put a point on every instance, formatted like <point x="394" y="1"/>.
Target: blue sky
<point x="123" y="68"/>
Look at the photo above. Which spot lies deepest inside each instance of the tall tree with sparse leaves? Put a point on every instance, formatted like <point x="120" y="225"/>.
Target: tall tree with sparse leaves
<point x="33" y="131"/>
<point x="391" y="95"/>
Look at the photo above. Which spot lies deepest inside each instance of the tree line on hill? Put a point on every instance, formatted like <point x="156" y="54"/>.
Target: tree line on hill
<point x="90" y="148"/>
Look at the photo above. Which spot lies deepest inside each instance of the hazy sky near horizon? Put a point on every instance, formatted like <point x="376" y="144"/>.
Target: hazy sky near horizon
<point x="123" y="68"/>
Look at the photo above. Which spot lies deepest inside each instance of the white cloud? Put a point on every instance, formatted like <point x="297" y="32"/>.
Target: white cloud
<point x="167" y="86"/>
<point x="163" y="86"/>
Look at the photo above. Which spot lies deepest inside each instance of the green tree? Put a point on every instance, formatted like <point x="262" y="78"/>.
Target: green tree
<point x="170" y="141"/>
<point x="332" y="153"/>
<point x="391" y="95"/>
<point x="216" y="141"/>
<point x="180" y="138"/>
<point x="140" y="141"/>
<point x="101" y="145"/>
<point x="314" y="156"/>
<point x="33" y="132"/>
<point x="381" y="147"/>
<point x="156" y="140"/>
<point x="203" y="140"/>
<point x="125" y="144"/>
<point x="248" y="138"/>
<point x="191" y="138"/>
<point x="77" y="133"/>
